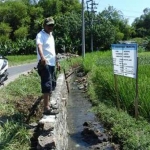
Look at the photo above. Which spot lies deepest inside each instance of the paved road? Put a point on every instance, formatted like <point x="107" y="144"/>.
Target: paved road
<point x="20" y="69"/>
<point x="15" y="71"/>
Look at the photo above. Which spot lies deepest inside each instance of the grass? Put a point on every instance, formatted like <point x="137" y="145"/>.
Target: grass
<point x="13" y="131"/>
<point x="21" y="59"/>
<point x="14" y="136"/>
<point x="23" y="86"/>
<point x="99" y="65"/>
<point x="130" y="133"/>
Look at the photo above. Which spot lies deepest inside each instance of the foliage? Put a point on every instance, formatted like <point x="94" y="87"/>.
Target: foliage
<point x="14" y="13"/>
<point x="104" y="33"/>
<point x="103" y="80"/>
<point x="36" y="15"/>
<point x="144" y="43"/>
<point x="57" y="7"/>
<point x="21" y="46"/>
<point x="67" y="34"/>
<point x="21" y="19"/>
<point x="117" y="20"/>
<point x="142" y="25"/>
<point x="19" y="14"/>
<point x="21" y="59"/>
<point x="21" y="33"/>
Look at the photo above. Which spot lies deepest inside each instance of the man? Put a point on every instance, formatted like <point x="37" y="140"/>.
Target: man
<point x="47" y="60"/>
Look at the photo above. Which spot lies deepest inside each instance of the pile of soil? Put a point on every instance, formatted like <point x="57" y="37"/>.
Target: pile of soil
<point x="31" y="108"/>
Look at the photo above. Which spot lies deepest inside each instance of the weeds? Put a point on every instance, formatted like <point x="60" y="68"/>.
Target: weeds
<point x="13" y="132"/>
<point x="12" y="135"/>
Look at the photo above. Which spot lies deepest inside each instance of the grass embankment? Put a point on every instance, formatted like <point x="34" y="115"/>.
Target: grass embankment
<point x="14" y="134"/>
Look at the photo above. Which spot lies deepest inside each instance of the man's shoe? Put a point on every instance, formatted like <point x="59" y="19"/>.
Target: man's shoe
<point x="54" y="106"/>
<point x="51" y="112"/>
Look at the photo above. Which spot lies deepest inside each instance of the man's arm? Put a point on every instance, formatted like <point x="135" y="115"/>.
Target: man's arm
<point x="40" y="51"/>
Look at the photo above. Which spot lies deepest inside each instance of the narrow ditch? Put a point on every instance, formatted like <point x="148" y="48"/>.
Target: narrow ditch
<point x="85" y="131"/>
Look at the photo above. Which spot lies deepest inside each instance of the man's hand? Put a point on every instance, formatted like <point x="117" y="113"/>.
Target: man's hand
<point x="43" y="61"/>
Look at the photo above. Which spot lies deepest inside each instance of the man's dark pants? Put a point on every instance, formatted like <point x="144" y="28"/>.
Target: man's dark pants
<point x="48" y="78"/>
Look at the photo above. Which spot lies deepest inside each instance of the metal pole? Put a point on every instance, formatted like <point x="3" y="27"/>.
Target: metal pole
<point x="92" y="26"/>
<point x="136" y="96"/>
<point x="92" y="35"/>
<point x="83" y="31"/>
<point x="117" y="94"/>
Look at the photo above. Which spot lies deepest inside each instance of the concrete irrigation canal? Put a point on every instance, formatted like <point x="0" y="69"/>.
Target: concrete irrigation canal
<point x="75" y="127"/>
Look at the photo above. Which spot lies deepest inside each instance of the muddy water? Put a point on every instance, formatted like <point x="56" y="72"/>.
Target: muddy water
<point x="78" y="113"/>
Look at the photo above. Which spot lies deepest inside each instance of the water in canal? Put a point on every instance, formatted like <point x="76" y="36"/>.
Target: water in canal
<point x="78" y="113"/>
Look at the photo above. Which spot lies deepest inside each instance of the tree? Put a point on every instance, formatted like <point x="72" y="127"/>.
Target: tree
<point x="14" y="13"/>
<point x="118" y="21"/>
<point x="36" y="20"/>
<point x="142" y="24"/>
<point x="56" y="7"/>
<point x="5" y="31"/>
<point x="104" y="34"/>
<point x="68" y="32"/>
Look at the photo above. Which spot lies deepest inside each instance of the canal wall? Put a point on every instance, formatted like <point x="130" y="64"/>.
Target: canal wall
<point x="53" y="129"/>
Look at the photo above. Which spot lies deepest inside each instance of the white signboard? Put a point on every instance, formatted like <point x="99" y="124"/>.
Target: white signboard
<point x="125" y="59"/>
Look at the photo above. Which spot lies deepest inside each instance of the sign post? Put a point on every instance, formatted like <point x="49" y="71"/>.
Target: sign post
<point x="125" y="59"/>
<point x="125" y="63"/>
<point x="136" y="96"/>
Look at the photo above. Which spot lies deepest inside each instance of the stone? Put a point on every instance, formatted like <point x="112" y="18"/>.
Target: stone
<point x="45" y="142"/>
<point x="48" y="126"/>
<point x="48" y="119"/>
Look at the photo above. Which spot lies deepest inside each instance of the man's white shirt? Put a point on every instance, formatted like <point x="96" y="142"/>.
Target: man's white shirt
<point x="48" y="45"/>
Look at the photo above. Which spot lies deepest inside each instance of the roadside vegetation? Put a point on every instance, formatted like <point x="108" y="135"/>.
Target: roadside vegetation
<point x="20" y="59"/>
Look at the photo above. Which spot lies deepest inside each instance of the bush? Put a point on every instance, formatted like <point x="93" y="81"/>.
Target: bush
<point x="21" y="46"/>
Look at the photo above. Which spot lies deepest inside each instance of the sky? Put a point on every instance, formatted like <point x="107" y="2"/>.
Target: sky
<point x="130" y="8"/>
